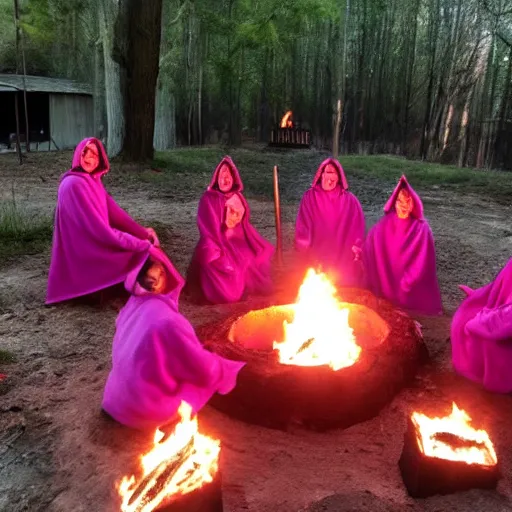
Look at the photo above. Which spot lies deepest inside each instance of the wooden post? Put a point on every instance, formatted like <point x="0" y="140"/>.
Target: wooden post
<point x="17" y="114"/>
<point x="19" y="43"/>
<point x="336" y="136"/>
<point x="277" y="205"/>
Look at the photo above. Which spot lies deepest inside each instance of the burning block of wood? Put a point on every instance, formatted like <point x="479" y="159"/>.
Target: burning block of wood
<point x="446" y="455"/>
<point x="179" y="474"/>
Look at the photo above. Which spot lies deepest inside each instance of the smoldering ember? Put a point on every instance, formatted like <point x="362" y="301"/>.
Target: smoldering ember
<point x="255" y="256"/>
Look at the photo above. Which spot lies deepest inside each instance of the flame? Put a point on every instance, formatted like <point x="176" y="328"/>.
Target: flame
<point x="431" y="442"/>
<point x="195" y="458"/>
<point x="319" y="333"/>
<point x="287" y="122"/>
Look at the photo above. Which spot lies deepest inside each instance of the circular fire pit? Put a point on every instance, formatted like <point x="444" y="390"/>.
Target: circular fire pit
<point x="277" y="395"/>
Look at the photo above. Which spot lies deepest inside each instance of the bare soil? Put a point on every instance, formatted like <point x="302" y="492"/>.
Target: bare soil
<point x="58" y="453"/>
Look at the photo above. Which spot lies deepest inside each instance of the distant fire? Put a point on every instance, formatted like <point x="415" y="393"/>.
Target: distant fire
<point x="453" y="438"/>
<point x="177" y="465"/>
<point x="287" y="122"/>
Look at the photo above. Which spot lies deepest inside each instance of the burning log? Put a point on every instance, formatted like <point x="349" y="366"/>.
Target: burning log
<point x="446" y="455"/>
<point x="180" y="473"/>
<point x="206" y="499"/>
<point x="276" y="390"/>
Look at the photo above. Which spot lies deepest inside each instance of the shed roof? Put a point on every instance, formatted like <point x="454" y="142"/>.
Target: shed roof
<point x="11" y="82"/>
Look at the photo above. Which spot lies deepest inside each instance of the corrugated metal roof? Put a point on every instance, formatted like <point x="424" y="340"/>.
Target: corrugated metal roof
<point x="43" y="84"/>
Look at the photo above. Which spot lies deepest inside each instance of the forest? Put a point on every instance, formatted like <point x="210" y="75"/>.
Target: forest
<point x="427" y="79"/>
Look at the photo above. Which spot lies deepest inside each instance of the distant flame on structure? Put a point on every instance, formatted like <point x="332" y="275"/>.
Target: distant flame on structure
<point x="319" y="333"/>
<point x="287" y="122"/>
<point x="453" y="438"/>
<point x="175" y="466"/>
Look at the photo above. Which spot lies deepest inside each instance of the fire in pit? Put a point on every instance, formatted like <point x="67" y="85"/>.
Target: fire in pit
<point x="288" y="134"/>
<point x="325" y="361"/>
<point x="445" y="455"/>
<point x="180" y="472"/>
<point x="319" y="333"/>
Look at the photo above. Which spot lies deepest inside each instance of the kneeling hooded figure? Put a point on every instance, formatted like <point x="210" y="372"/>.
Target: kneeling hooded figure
<point x="157" y="359"/>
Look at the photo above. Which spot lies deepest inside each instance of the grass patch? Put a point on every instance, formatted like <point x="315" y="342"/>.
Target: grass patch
<point x="6" y="357"/>
<point x="190" y="169"/>
<point x="496" y="184"/>
<point x="22" y="232"/>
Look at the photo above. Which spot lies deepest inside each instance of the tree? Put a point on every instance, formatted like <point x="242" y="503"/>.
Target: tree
<point x="144" y="29"/>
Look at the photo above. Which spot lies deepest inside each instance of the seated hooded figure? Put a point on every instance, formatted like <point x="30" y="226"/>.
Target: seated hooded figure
<point x="330" y="226"/>
<point x="481" y="334"/>
<point x="95" y="242"/>
<point x="399" y="255"/>
<point x="157" y="360"/>
<point x="231" y="258"/>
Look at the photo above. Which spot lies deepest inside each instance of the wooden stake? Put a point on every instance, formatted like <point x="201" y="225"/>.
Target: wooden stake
<point x="18" y="143"/>
<point x="336" y="136"/>
<point x="277" y="205"/>
<point x="19" y="43"/>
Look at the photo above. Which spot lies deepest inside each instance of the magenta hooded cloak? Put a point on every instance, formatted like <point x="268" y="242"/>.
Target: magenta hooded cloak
<point x="329" y="225"/>
<point x="481" y="334"/>
<point x="157" y="360"/>
<point x="224" y="268"/>
<point x="400" y="259"/>
<point x="95" y="242"/>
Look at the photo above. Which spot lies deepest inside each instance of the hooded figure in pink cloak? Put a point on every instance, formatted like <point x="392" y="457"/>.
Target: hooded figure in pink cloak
<point x="330" y="226"/>
<point x="231" y="258"/>
<point x="399" y="255"/>
<point x="481" y="334"/>
<point x="157" y="360"/>
<point x="95" y="242"/>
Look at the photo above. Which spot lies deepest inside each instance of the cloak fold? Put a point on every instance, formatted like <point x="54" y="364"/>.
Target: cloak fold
<point x="481" y="334"/>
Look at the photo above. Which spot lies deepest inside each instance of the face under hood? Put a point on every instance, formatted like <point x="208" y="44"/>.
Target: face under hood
<point x="338" y="167"/>
<point x="104" y="165"/>
<point x="175" y="281"/>
<point x="237" y="181"/>
<point x="417" y="210"/>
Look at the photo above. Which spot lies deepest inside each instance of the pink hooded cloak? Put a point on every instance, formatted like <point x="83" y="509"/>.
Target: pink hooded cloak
<point x="400" y="260"/>
<point x="157" y="360"/>
<point x="329" y="224"/>
<point x="481" y="334"/>
<point x="224" y="268"/>
<point x="95" y="242"/>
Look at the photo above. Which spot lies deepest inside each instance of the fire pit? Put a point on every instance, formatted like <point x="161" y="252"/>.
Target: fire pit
<point x="289" y="135"/>
<point x="446" y="455"/>
<point x="327" y="361"/>
<point x="179" y="474"/>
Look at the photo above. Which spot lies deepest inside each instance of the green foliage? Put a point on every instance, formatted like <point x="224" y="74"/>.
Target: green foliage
<point x="6" y="357"/>
<point x="21" y="231"/>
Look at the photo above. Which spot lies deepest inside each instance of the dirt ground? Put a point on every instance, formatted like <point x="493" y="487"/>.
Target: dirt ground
<point x="57" y="453"/>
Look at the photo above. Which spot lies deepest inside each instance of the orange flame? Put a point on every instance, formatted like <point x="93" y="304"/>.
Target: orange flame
<point x="430" y="440"/>
<point x="287" y="122"/>
<point x="197" y="467"/>
<point x="319" y="333"/>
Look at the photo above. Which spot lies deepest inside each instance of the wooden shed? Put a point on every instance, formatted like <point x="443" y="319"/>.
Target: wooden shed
<point x="60" y="111"/>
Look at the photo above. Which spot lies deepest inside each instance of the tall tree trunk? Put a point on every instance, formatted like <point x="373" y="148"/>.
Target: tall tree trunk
<point x="505" y="99"/>
<point x="144" y="27"/>
<point x="433" y="33"/>
<point x="165" y="109"/>
<point x="114" y="76"/>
